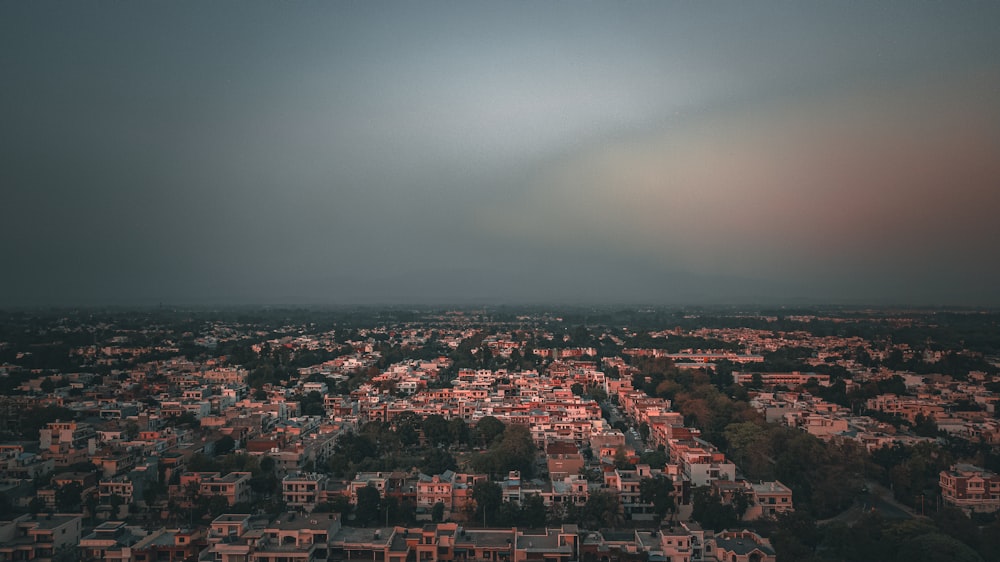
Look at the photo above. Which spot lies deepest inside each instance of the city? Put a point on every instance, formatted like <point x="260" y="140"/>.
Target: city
<point x="499" y="281"/>
<point x="693" y="434"/>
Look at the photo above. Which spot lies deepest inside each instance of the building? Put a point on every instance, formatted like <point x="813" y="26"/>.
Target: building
<point x="769" y="499"/>
<point x="303" y="490"/>
<point x="169" y="545"/>
<point x="40" y="537"/>
<point x="970" y="488"/>
<point x="234" y="487"/>
<point x="739" y="546"/>
<point x="547" y="545"/>
<point x="790" y="380"/>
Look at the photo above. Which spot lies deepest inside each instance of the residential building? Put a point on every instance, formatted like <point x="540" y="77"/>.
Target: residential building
<point x="970" y="488"/>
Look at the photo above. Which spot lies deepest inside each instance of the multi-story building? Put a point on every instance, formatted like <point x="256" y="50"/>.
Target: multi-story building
<point x="169" y="545"/>
<point x="790" y="380"/>
<point x="563" y="459"/>
<point x="547" y="545"/>
<point x="452" y="489"/>
<point x="970" y="488"/>
<point x="296" y="538"/>
<point x="739" y="546"/>
<point x="38" y="537"/>
<point x="74" y="434"/>
<point x="235" y="487"/>
<point x="303" y="490"/>
<point x="769" y="499"/>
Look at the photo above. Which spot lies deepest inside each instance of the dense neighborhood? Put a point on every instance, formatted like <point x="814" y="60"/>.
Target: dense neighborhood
<point x="503" y="435"/>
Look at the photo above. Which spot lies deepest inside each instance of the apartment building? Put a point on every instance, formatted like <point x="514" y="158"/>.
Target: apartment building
<point x="970" y="488"/>
<point x="38" y="537"/>
<point x="169" y="545"/>
<point x="75" y="435"/>
<point x="739" y="546"/>
<point x="303" y="490"/>
<point x="235" y="486"/>
<point x="769" y="500"/>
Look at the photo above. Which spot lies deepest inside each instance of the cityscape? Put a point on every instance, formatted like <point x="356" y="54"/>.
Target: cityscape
<point x="506" y="433"/>
<point x="507" y="281"/>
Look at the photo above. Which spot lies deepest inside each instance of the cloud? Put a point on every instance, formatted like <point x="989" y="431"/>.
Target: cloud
<point x="869" y="182"/>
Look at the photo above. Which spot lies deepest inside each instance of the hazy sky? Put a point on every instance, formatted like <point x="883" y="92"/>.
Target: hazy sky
<point x="443" y="152"/>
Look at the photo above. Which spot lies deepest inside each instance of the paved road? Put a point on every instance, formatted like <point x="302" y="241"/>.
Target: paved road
<point x="878" y="499"/>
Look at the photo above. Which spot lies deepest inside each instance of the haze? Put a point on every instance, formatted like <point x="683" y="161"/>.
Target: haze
<point x="451" y="152"/>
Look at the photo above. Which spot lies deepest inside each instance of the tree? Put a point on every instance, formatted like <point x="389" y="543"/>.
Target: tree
<point x="312" y="404"/>
<point x="576" y="389"/>
<point x="36" y="505"/>
<point x="459" y="430"/>
<point x="407" y="425"/>
<point x="621" y="460"/>
<point x="131" y="430"/>
<point x="488" y="429"/>
<point x="935" y="547"/>
<point x="389" y="511"/>
<point x="925" y="426"/>
<point x="742" y="500"/>
<point x="659" y="492"/>
<point x="603" y="509"/>
<point x="516" y="451"/>
<point x="436" y="430"/>
<point x="69" y="497"/>
<point x="224" y="445"/>
<point x="709" y="510"/>
<point x="488" y="497"/>
<point x="437" y="512"/>
<point x="749" y="446"/>
<point x="436" y="461"/>
<point x="369" y="502"/>
<point x="533" y="513"/>
<point x="598" y="394"/>
<point x="655" y="459"/>
<point x="644" y="431"/>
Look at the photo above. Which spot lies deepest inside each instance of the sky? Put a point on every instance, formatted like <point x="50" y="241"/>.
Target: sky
<point x="635" y="152"/>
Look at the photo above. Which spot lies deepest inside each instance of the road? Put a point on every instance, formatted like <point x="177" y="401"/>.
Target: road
<point x="878" y="499"/>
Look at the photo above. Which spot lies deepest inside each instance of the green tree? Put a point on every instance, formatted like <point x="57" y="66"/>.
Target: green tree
<point x="436" y="461"/>
<point x="437" y="512"/>
<point x="407" y="427"/>
<point x="935" y="547"/>
<point x="436" y="430"/>
<point x="488" y="430"/>
<point x="603" y="509"/>
<point x="69" y="497"/>
<point x="659" y="492"/>
<point x="710" y="512"/>
<point x="516" y="451"/>
<point x="925" y="426"/>
<point x="533" y="513"/>
<point x="367" y="509"/>
<point x="488" y="497"/>
<point x="224" y="445"/>
<point x="36" y="505"/>
<point x="749" y="446"/>
<point x="459" y="430"/>
<point x="655" y="459"/>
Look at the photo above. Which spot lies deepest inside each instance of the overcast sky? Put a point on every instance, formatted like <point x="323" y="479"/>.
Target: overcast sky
<point x="499" y="152"/>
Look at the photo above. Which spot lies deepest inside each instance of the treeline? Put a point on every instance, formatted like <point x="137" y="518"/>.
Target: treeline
<point x="411" y="441"/>
<point x="948" y="536"/>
